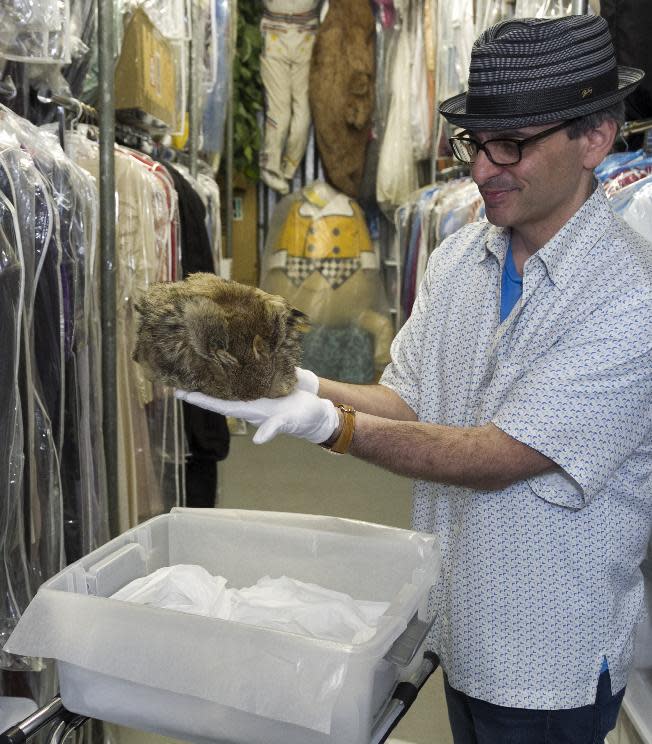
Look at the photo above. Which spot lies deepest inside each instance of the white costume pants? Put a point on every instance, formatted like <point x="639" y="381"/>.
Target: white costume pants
<point x="284" y="68"/>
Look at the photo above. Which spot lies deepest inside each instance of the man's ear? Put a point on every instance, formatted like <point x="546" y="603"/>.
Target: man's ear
<point x="599" y="143"/>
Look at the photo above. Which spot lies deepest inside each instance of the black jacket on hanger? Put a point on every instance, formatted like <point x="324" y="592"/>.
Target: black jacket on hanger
<point x="630" y="22"/>
<point x="207" y="433"/>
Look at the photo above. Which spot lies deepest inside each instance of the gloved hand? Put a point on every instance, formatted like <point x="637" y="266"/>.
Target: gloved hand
<point x="307" y="380"/>
<point x="300" y="414"/>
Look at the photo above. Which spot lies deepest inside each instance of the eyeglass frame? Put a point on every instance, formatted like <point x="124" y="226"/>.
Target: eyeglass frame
<point x="520" y="144"/>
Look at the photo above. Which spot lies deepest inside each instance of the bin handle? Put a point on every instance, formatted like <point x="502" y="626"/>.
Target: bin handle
<point x="405" y="647"/>
<point x="51" y="713"/>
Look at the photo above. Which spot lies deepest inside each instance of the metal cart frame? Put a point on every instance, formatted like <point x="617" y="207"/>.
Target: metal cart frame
<point x="63" y="722"/>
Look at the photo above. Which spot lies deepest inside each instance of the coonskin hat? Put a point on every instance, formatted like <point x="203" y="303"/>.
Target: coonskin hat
<point x="527" y="71"/>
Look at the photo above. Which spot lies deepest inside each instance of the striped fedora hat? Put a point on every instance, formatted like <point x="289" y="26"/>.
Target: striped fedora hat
<point x="527" y="71"/>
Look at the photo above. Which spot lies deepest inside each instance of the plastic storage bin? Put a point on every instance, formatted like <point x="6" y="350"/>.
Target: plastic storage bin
<point x="204" y="679"/>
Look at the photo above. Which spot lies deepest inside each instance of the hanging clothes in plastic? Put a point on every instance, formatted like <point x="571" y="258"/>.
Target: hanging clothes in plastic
<point x="206" y="432"/>
<point x="37" y="31"/>
<point x="54" y="457"/>
<point x="41" y="351"/>
<point x="397" y="172"/>
<point x="214" y="114"/>
<point x="627" y="180"/>
<point x="147" y="248"/>
<point x="428" y="217"/>
<point x="543" y="8"/>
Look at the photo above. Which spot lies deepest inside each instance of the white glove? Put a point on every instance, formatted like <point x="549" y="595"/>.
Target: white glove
<point x="301" y="414"/>
<point x="307" y="380"/>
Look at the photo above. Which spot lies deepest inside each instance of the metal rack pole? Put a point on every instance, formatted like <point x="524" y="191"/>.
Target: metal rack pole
<point x="193" y="90"/>
<point x="229" y="138"/>
<point x="105" y="45"/>
<point x="580" y="7"/>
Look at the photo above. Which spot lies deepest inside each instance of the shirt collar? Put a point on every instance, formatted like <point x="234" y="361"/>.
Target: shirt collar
<point x="563" y="254"/>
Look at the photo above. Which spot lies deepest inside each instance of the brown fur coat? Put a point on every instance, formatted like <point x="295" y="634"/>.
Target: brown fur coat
<point x="342" y="91"/>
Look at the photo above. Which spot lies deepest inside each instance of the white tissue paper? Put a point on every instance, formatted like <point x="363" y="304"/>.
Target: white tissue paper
<point x="283" y="604"/>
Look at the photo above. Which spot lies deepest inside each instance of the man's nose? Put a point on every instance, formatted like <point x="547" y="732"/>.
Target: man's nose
<point x="483" y="169"/>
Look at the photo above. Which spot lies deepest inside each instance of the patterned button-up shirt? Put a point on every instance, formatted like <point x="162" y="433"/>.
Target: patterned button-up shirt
<point x="541" y="580"/>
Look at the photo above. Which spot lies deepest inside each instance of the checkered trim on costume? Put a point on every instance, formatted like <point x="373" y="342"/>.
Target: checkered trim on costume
<point x="335" y="270"/>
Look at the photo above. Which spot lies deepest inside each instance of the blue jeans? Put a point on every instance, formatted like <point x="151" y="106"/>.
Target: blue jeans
<point x="474" y="721"/>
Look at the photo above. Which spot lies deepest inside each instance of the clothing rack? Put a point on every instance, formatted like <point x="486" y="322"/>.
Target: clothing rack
<point x="70" y="104"/>
<point x="453" y="171"/>
<point x="639" y="126"/>
<point x="635" y="127"/>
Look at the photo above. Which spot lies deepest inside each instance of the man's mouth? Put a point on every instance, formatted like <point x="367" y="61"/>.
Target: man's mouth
<point x="495" y="196"/>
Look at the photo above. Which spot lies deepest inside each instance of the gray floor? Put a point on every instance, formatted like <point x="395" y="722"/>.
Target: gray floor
<point x="293" y="476"/>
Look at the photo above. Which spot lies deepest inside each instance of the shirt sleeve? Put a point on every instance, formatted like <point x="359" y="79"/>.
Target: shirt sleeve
<point x="587" y="403"/>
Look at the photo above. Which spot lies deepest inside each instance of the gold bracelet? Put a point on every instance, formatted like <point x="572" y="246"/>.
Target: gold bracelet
<point x="343" y="441"/>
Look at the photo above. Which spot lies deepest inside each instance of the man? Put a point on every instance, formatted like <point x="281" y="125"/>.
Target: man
<point x="520" y="396"/>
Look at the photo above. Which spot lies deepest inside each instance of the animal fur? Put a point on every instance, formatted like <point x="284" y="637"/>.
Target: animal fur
<point x="341" y="91"/>
<point x="218" y="337"/>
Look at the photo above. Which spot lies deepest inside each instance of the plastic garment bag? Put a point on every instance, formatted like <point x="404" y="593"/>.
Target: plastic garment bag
<point x="638" y="211"/>
<point x="53" y="465"/>
<point x="171" y="17"/>
<point x="77" y="420"/>
<point x="543" y="8"/>
<point x="35" y="30"/>
<point x="431" y="214"/>
<point x="214" y="115"/>
<point x="81" y="452"/>
<point x="147" y="251"/>
<point x="397" y="173"/>
<point x="41" y="368"/>
<point x="421" y="103"/>
<point x="320" y="257"/>
<point x="14" y="580"/>
<point x="455" y="37"/>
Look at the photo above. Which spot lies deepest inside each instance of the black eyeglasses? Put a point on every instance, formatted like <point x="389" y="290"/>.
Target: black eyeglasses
<point x="499" y="151"/>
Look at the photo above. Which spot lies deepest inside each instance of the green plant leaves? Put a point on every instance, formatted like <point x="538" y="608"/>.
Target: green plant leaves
<point x="247" y="89"/>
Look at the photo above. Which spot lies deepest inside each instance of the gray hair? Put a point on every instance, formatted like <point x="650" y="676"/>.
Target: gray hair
<point x="586" y="123"/>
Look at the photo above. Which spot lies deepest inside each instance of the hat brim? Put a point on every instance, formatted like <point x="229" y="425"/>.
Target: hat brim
<point x="454" y="109"/>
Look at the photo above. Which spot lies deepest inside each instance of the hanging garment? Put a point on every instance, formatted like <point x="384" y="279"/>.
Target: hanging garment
<point x="14" y="573"/>
<point x="40" y="355"/>
<point x="629" y="24"/>
<point x="397" y="173"/>
<point x="207" y="434"/>
<point x="288" y="30"/>
<point x="36" y="31"/>
<point x="456" y="33"/>
<point x="147" y="414"/>
<point x="430" y="215"/>
<point x="56" y="467"/>
<point x="342" y="91"/>
<point x="214" y="115"/>
<point x="420" y="101"/>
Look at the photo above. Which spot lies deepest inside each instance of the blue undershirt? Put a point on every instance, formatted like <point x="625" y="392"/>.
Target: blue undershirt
<point x="511" y="286"/>
<point x="511" y="289"/>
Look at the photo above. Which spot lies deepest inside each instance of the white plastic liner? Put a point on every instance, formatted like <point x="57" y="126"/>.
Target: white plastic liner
<point x="279" y="676"/>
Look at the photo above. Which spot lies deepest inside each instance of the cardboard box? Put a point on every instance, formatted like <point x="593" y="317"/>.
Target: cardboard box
<point x="145" y="74"/>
